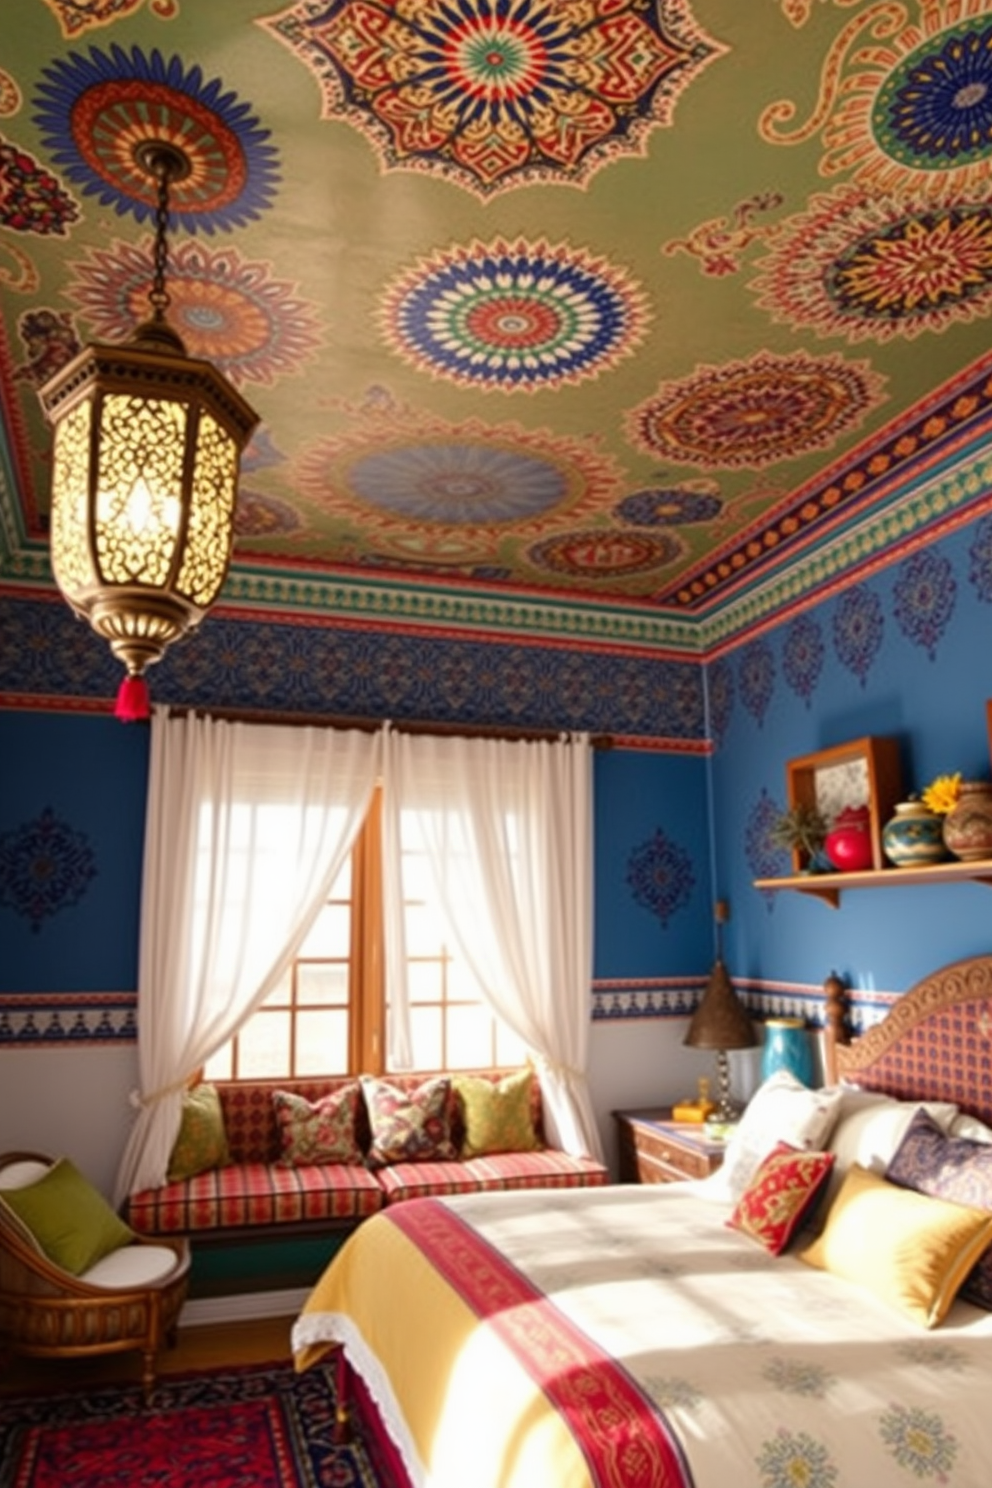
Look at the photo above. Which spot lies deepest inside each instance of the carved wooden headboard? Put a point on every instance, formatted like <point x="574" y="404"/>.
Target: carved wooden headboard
<point x="935" y="1043"/>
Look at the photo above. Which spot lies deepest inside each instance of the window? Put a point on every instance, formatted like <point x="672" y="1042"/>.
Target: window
<point x="328" y="1014"/>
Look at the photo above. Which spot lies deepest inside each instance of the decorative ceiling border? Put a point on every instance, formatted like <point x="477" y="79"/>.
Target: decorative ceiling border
<point x="946" y="500"/>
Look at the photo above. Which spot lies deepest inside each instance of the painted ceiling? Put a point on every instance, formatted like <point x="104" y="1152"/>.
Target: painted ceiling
<point x="632" y="303"/>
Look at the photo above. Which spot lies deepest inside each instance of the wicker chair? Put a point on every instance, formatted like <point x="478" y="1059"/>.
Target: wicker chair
<point x="129" y="1300"/>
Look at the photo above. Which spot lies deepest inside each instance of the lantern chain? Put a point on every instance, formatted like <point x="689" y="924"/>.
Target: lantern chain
<point x="159" y="297"/>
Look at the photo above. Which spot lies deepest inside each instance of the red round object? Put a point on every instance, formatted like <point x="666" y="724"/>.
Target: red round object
<point x="848" y="844"/>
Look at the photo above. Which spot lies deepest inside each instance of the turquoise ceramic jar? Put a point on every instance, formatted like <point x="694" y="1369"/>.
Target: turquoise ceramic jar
<point x="914" y="836"/>
<point x="787" y="1047"/>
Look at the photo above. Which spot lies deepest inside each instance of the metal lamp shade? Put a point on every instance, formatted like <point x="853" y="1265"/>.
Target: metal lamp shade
<point x="720" y="1021"/>
<point x="145" y="467"/>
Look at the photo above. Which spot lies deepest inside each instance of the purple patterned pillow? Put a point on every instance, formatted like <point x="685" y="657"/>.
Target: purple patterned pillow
<point x="409" y="1126"/>
<point x="321" y="1132"/>
<point x="954" y="1168"/>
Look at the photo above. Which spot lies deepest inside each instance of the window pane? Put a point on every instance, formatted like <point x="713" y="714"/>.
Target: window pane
<point x="470" y="1038"/>
<point x="425" y="1032"/>
<point x="341" y="887"/>
<point x="423" y="930"/>
<point x="425" y="981"/>
<point x="219" y="1065"/>
<point x="263" y="1046"/>
<point x="323" y="982"/>
<point x="510" y="1050"/>
<point x="330" y="933"/>
<point x="322" y="1043"/>
<point x="282" y="992"/>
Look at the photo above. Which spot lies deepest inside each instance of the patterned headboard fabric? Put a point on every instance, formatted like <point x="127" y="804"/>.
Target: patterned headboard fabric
<point x="935" y="1043"/>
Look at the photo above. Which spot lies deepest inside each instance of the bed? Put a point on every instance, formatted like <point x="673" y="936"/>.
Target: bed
<point x="629" y="1337"/>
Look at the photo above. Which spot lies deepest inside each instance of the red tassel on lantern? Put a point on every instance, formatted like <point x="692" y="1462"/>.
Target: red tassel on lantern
<point x="132" y="704"/>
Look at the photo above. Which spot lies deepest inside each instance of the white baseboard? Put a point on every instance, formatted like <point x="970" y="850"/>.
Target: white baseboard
<point x="243" y="1307"/>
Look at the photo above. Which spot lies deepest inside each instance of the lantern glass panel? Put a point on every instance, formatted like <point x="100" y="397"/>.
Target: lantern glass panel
<point x="140" y="488"/>
<point x="211" y="516"/>
<point x="71" y="560"/>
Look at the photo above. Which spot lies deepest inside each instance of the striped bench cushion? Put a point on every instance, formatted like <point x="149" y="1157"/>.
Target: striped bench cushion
<point x="547" y="1169"/>
<point x="255" y="1194"/>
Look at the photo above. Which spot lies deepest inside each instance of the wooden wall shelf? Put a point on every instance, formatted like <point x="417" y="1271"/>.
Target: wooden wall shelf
<point x="830" y="886"/>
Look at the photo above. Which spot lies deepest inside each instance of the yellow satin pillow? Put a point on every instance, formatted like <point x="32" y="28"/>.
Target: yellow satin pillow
<point x="913" y="1252"/>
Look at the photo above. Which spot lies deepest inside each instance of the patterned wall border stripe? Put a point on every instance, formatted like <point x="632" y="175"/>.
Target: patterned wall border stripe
<point x="47" y="1020"/>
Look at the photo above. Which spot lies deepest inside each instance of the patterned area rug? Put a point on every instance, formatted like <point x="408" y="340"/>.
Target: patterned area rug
<point x="257" y="1426"/>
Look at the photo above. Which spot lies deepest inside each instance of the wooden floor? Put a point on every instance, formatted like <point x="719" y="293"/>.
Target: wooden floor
<point x="200" y="1347"/>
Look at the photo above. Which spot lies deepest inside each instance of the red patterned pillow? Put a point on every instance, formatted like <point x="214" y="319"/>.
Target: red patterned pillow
<point x="319" y="1132"/>
<point x="409" y="1126"/>
<point x="772" y="1206"/>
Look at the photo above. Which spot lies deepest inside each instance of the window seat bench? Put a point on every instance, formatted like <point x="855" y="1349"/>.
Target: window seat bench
<point x="257" y="1195"/>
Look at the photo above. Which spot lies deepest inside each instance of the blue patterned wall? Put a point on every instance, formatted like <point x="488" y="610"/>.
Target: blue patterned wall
<point x="905" y="652"/>
<point x="309" y="668"/>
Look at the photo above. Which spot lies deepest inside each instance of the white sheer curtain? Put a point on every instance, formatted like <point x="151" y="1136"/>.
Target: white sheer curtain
<point x="508" y="832"/>
<point x="246" y="828"/>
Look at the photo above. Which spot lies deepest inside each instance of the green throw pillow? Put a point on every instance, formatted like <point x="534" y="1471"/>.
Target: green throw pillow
<point x="497" y="1114"/>
<point x="69" y="1218"/>
<point x="202" y="1140"/>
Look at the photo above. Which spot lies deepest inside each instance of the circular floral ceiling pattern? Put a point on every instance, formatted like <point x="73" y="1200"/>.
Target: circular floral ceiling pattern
<point x="418" y="485"/>
<point x="92" y="112"/>
<point x="226" y="309"/>
<point x="463" y="483"/>
<point x="755" y="413"/>
<point x="494" y="93"/>
<point x="513" y="316"/>
<point x="861" y="265"/>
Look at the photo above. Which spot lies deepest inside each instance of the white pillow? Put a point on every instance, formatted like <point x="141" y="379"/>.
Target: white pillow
<point x="970" y="1127"/>
<point x="781" y="1110"/>
<point x="868" y="1131"/>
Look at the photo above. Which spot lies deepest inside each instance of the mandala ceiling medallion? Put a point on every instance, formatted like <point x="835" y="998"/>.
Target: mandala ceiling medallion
<point x="415" y="485"/>
<point x="757" y="412"/>
<point x="912" y="112"/>
<point x="226" y="308"/>
<point x="94" y="113"/>
<point x="495" y="93"/>
<point x="513" y="316"/>
<point x="861" y="265"/>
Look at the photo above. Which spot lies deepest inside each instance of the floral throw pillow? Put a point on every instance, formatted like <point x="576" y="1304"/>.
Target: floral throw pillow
<point x="321" y="1131"/>
<point x="772" y="1206"/>
<point x="409" y="1126"/>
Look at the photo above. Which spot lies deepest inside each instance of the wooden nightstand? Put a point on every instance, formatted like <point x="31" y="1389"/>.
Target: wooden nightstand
<point x="656" y="1149"/>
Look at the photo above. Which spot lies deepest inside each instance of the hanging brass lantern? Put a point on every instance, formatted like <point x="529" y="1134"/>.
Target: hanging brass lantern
<point x="147" y="443"/>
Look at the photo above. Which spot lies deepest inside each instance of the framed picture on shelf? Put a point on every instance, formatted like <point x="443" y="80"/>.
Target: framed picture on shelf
<point x="865" y="772"/>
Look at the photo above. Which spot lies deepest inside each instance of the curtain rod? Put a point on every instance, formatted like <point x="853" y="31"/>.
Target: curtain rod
<point x="407" y="726"/>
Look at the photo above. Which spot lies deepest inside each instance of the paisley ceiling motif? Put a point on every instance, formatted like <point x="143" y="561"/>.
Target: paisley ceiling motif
<point x="638" y="305"/>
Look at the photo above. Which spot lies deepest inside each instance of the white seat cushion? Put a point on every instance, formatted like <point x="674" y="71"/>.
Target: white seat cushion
<point x="20" y="1174"/>
<point x="131" y="1266"/>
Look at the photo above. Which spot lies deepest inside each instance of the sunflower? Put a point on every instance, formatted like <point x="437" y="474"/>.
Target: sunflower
<point x="943" y="794"/>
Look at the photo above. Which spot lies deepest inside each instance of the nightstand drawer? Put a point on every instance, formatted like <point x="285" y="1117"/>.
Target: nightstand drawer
<point x="651" y="1152"/>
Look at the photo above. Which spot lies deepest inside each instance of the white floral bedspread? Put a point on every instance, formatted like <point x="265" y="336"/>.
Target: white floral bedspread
<point x="772" y="1374"/>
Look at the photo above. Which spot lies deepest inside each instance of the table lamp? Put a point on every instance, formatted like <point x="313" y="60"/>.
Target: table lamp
<point x="721" y="1022"/>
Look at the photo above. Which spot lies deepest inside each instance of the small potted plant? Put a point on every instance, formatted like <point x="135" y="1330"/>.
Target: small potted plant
<point x="803" y="829"/>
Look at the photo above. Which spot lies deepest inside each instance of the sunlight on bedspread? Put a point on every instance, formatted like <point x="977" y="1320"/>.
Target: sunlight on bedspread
<point x="767" y="1372"/>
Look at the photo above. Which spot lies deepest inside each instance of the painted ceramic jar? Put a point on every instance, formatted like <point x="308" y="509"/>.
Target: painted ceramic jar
<point x="787" y="1047"/>
<point x="848" y="843"/>
<point x="914" y="836"/>
<point x="968" y="825"/>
